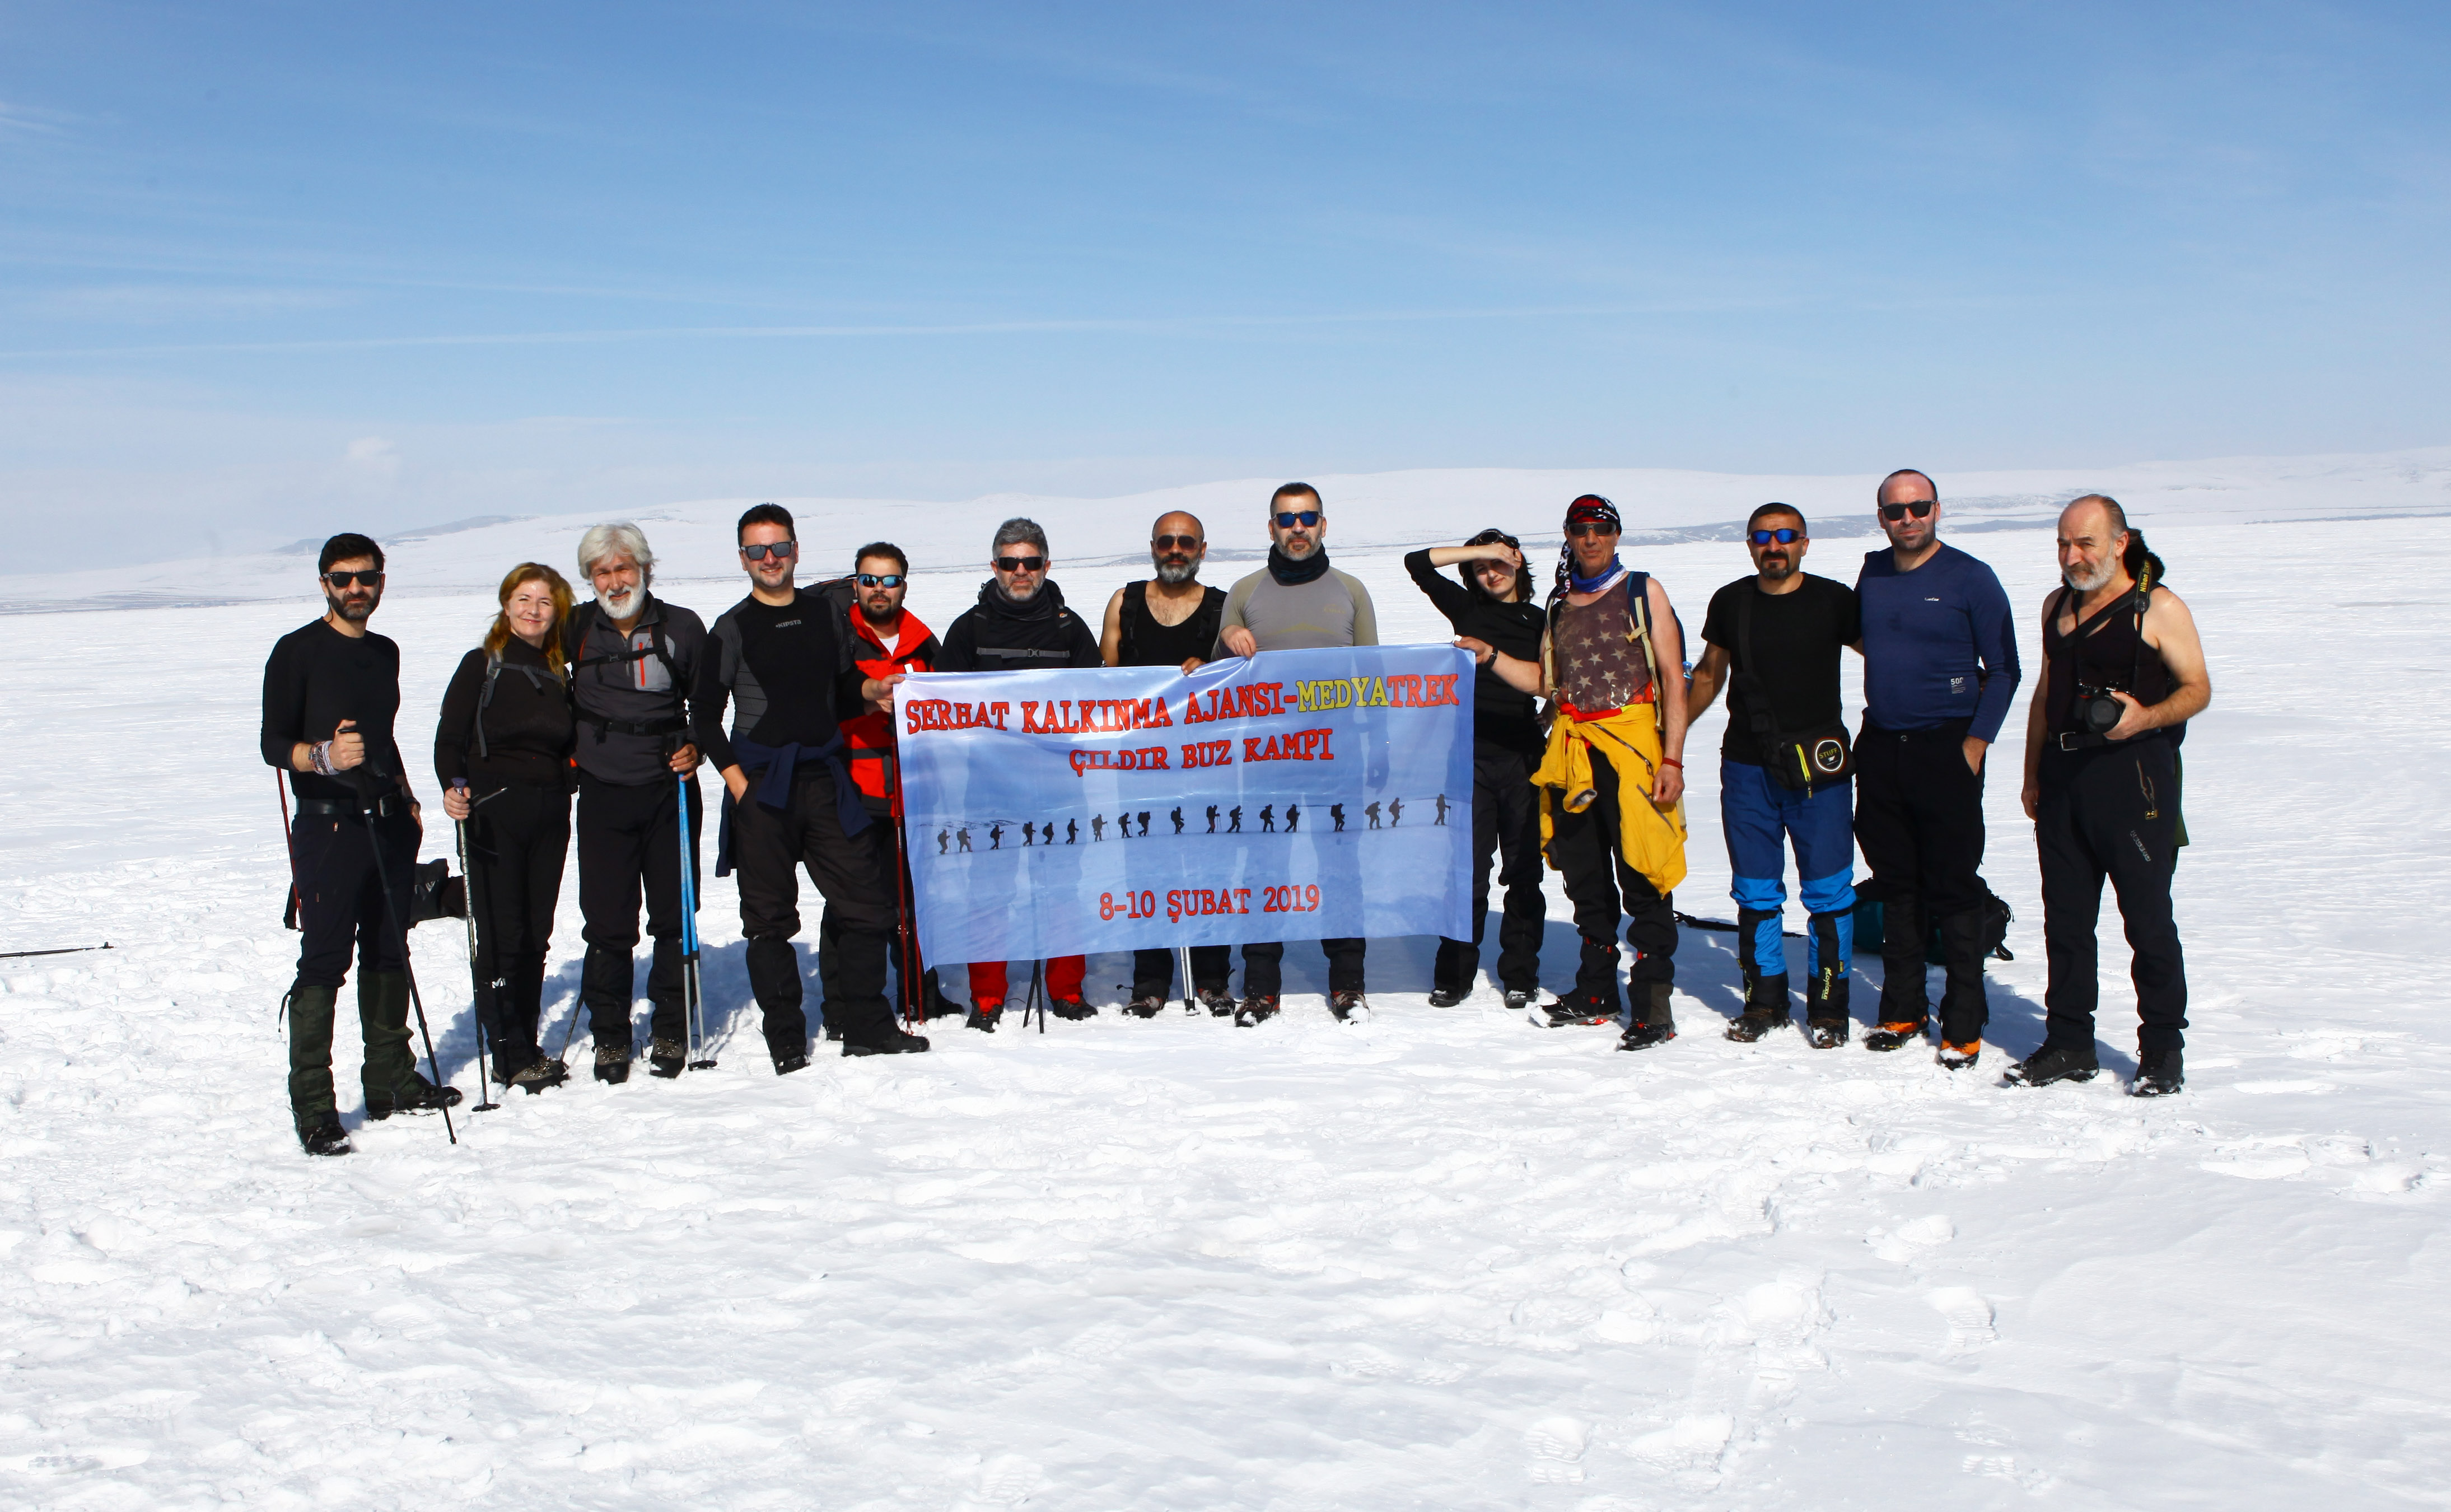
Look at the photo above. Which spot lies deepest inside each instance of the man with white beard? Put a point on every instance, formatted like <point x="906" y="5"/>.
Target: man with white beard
<point x="2123" y="671"/>
<point x="633" y="659"/>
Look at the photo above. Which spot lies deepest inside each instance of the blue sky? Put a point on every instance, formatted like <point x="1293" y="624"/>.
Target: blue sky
<point x="265" y="265"/>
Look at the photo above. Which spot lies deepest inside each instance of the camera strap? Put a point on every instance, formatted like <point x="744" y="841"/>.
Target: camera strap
<point x="2137" y="600"/>
<point x="1795" y="762"/>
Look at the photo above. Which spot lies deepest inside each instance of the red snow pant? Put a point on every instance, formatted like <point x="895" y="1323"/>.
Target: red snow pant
<point x="1064" y="973"/>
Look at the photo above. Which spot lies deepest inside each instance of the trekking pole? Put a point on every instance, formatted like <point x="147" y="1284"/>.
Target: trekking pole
<point x="280" y="787"/>
<point x="1182" y="955"/>
<point x="1031" y="1001"/>
<point x="391" y="911"/>
<point x="468" y="879"/>
<point x="64" y="949"/>
<point x="912" y="993"/>
<point x="692" y="999"/>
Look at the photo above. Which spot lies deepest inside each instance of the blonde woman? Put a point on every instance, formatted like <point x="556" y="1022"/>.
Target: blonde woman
<point x="502" y="752"/>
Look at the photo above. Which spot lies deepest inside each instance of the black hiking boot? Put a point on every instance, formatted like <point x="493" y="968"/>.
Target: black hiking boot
<point x="612" y="1064"/>
<point x="539" y="1073"/>
<point x="1349" y="1008"/>
<point x="415" y="1096"/>
<point x="984" y="1019"/>
<point x="1072" y="1008"/>
<point x="1145" y="1005"/>
<point x="1257" y="1009"/>
<point x="1582" y="1006"/>
<point x="1658" y="1025"/>
<point x="1894" y="1036"/>
<point x="666" y="1057"/>
<point x="1219" y="1002"/>
<point x="1448" y="996"/>
<point x="1520" y="1000"/>
<point x="2159" y="1072"/>
<point x="322" y="1134"/>
<point x="1825" y="1034"/>
<point x="2052" y="1063"/>
<point x="832" y="1030"/>
<point x="893" y="1042"/>
<point x="790" y="1061"/>
<point x="1753" y="1022"/>
<point x="1959" y="1057"/>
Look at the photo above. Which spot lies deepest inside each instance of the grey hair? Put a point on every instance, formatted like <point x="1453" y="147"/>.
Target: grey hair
<point x="1018" y="531"/>
<point x="618" y="538"/>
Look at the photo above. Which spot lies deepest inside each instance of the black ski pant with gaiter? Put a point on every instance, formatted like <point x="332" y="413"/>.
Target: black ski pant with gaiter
<point x="1919" y="824"/>
<point x="341" y="909"/>
<point x="2110" y="811"/>
<point x="1264" y="966"/>
<point x="1603" y="888"/>
<point x="769" y="848"/>
<point x="519" y="835"/>
<point x="1505" y="823"/>
<point x="629" y="841"/>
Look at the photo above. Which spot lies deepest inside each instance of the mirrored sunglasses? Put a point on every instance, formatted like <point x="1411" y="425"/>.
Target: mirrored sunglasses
<point x="1304" y="518"/>
<point x="1783" y="536"/>
<point x="880" y="579"/>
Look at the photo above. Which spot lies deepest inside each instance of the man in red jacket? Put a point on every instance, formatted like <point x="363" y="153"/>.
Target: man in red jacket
<point x="888" y="641"/>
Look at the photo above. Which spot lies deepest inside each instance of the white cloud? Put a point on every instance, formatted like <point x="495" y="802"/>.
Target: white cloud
<point x="373" y="456"/>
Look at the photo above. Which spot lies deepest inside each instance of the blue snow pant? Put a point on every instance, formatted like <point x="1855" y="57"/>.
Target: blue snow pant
<point x="1757" y="812"/>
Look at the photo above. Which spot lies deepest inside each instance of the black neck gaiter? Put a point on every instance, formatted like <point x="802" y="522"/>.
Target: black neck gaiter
<point x="1290" y="572"/>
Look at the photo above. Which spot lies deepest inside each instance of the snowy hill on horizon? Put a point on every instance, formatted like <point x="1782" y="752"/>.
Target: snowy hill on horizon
<point x="1372" y="510"/>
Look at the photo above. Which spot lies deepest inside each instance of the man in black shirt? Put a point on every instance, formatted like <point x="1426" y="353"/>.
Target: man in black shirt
<point x="331" y="690"/>
<point x="780" y="658"/>
<point x="1171" y="621"/>
<point x="1774" y="637"/>
<point x="632" y="658"/>
<point x="1494" y="605"/>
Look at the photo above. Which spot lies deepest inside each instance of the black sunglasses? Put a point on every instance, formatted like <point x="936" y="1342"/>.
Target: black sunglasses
<point x="1782" y="535"/>
<point x="1919" y="507"/>
<point x="1174" y="542"/>
<point x="785" y="549"/>
<point x="342" y="579"/>
<point x="1020" y="564"/>
<point x="1304" y="518"/>
<point x="1591" y="527"/>
<point x="880" y="579"/>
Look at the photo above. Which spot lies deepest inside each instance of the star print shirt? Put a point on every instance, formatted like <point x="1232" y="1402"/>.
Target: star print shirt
<point x="1599" y="665"/>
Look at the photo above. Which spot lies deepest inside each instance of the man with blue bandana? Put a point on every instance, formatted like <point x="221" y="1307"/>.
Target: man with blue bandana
<point x="1773" y="637"/>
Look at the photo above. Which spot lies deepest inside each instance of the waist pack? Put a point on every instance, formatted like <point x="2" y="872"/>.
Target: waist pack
<point x="1797" y="762"/>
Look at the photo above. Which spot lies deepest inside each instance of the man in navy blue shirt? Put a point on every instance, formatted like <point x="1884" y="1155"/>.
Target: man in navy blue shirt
<point x="1940" y="667"/>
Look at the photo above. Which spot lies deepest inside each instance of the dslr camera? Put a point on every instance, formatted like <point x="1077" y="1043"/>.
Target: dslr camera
<point x="2096" y="710"/>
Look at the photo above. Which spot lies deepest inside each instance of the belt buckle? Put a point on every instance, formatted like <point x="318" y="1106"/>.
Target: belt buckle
<point x="2070" y="741"/>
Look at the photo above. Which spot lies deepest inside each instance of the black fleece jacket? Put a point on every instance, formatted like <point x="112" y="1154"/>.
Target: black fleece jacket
<point x="1001" y="636"/>
<point x="1500" y="716"/>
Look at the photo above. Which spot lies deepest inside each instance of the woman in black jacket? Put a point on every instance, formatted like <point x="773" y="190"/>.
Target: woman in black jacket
<point x="502" y="752"/>
<point x="1494" y="603"/>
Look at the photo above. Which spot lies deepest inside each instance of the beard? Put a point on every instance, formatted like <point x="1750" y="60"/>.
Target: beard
<point x="355" y="607"/>
<point x="622" y="603"/>
<point x="2088" y="583"/>
<point x="1019" y="594"/>
<point x="1777" y="568"/>
<point x="1173" y="570"/>
<point x="880" y="611"/>
<point x="1298" y="546"/>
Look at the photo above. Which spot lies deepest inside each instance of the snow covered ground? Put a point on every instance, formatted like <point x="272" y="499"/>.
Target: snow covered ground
<point x="1442" y="1259"/>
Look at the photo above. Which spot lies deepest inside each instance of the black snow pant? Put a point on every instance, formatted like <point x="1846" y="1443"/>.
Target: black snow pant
<point x="629" y="839"/>
<point x="519" y="835"/>
<point x="1153" y="971"/>
<point x="2110" y="811"/>
<point x="1505" y="823"/>
<point x="340" y="908"/>
<point x="1603" y="888"/>
<point x="1264" y="967"/>
<point x="894" y="868"/>
<point x="1919" y="824"/>
<point x="769" y="848"/>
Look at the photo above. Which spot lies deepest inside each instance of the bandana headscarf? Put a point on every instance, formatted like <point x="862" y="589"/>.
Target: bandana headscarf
<point x="1589" y="509"/>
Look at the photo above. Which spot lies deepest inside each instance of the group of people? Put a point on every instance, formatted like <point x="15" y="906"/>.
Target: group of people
<point x="1581" y="708"/>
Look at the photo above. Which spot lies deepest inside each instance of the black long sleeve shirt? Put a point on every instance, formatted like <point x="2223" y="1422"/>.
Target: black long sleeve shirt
<point x="528" y="729"/>
<point x="786" y="672"/>
<point x="1501" y="714"/>
<point x="316" y="678"/>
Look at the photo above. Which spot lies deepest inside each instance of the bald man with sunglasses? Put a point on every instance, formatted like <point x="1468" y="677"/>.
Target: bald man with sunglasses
<point x="1940" y="669"/>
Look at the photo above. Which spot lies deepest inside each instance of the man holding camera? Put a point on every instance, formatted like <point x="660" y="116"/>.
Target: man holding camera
<point x="1785" y="771"/>
<point x="2123" y="671"/>
<point x="1940" y="666"/>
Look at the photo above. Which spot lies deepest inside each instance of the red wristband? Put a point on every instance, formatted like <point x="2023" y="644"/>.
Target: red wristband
<point x="1672" y="762"/>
